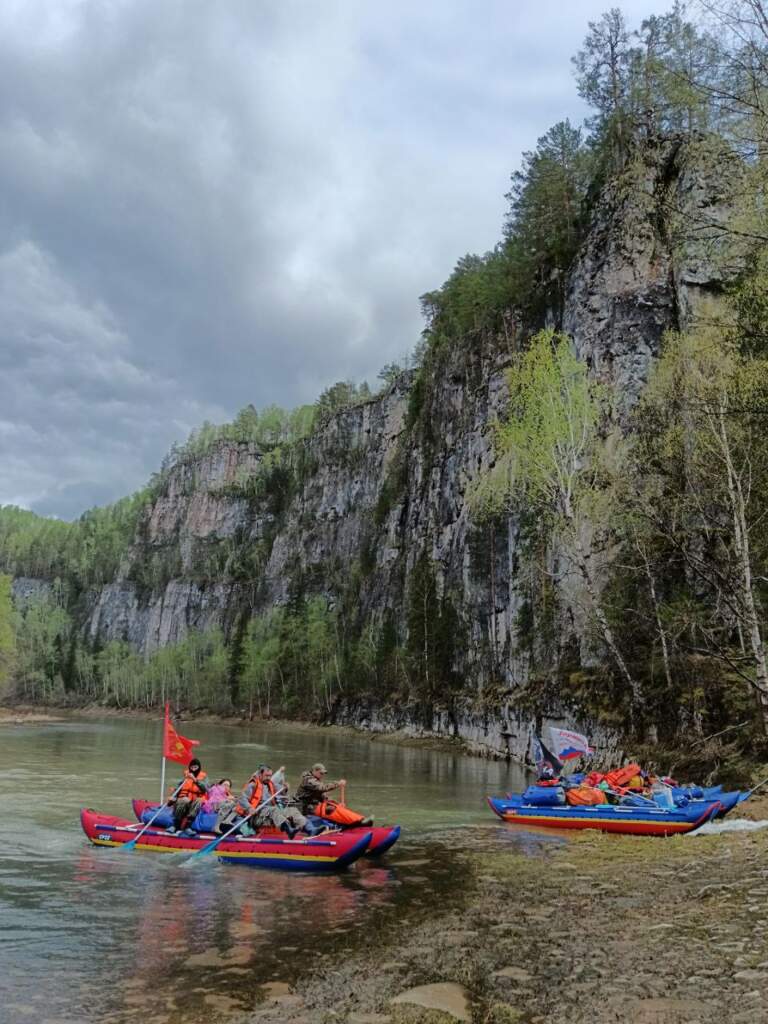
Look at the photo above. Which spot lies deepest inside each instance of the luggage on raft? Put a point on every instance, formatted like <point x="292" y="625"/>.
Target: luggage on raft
<point x="206" y="821"/>
<point x="585" y="796"/>
<point x="544" y="796"/>
<point x="163" y="820"/>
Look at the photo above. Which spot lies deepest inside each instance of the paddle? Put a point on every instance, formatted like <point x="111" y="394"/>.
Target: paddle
<point x="235" y="827"/>
<point x="754" y="790"/>
<point x="132" y="843"/>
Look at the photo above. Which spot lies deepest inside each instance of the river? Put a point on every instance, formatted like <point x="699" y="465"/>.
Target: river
<point x="93" y="934"/>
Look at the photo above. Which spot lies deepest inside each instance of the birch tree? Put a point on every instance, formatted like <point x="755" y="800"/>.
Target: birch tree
<point x="713" y="403"/>
<point x="548" y="459"/>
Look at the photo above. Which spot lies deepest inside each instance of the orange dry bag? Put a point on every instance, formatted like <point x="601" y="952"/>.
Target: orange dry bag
<point x="585" y="796"/>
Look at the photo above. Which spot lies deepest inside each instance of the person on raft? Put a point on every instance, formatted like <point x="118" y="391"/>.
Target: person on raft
<point x="260" y="789"/>
<point x="547" y="775"/>
<point x="311" y="798"/>
<point x="217" y="795"/>
<point x="189" y="799"/>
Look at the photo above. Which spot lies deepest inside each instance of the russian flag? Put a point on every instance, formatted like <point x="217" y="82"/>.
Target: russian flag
<point x="568" y="745"/>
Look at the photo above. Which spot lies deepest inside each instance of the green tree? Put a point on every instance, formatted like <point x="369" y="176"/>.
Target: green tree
<point x="544" y="224"/>
<point x="703" y="433"/>
<point x="7" y="634"/>
<point x="549" y="458"/>
<point x="603" y="75"/>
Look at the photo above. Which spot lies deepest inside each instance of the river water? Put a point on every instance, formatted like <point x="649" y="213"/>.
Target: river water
<point x="91" y="934"/>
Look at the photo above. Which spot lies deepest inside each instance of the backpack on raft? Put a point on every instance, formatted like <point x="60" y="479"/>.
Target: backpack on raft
<point x="585" y="796"/>
<point x="544" y="796"/>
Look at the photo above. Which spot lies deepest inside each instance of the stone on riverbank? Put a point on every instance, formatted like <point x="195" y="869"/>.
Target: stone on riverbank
<point x="445" y="996"/>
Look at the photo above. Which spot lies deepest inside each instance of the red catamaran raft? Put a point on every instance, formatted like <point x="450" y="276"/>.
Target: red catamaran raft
<point x="382" y="836"/>
<point x="324" y="853"/>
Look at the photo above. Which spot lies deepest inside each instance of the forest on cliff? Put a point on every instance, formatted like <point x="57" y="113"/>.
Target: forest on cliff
<point x="637" y="503"/>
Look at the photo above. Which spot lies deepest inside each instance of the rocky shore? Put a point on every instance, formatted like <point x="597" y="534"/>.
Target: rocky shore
<point x="598" y="929"/>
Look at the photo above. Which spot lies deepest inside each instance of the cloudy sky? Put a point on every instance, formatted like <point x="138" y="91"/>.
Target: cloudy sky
<point x="209" y="204"/>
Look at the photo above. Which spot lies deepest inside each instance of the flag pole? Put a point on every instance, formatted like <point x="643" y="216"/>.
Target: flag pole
<point x="162" y="759"/>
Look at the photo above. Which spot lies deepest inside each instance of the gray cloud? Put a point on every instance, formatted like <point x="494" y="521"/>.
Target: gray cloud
<point x="204" y="205"/>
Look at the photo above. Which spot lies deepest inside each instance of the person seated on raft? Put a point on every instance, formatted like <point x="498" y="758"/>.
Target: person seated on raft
<point x="310" y="797"/>
<point x="189" y="799"/>
<point x="547" y="776"/>
<point x="260" y="789"/>
<point x="218" y="794"/>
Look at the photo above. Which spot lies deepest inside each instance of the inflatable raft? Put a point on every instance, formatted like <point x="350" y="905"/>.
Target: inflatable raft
<point x="324" y="853"/>
<point x="637" y="821"/>
<point x="383" y="837"/>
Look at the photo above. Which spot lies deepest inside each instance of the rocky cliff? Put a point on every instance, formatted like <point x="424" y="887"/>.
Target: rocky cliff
<point x="354" y="508"/>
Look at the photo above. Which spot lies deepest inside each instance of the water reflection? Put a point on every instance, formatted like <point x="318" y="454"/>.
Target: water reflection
<point x="104" y="934"/>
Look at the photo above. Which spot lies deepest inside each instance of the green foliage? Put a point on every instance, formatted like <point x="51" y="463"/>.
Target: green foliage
<point x="42" y="629"/>
<point x="389" y="374"/>
<point x="271" y="427"/>
<point x="86" y="552"/>
<point x="545" y="223"/>
<point x="472" y="299"/>
<point x="7" y="633"/>
<point x="547" y="444"/>
<point x="53" y="663"/>
<point x="393" y="488"/>
<point x="434" y="635"/>
<point x="750" y="299"/>
<point x="342" y="395"/>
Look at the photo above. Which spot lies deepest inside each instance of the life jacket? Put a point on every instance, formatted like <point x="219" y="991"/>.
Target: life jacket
<point x="549" y="782"/>
<point x="190" y="789"/>
<point x="620" y="777"/>
<point x="257" y="796"/>
<point x="337" y="813"/>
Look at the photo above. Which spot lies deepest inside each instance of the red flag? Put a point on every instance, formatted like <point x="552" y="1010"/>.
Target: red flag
<point x="175" y="747"/>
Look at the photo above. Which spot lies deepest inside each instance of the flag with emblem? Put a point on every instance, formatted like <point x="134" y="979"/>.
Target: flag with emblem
<point x="175" y="747"/>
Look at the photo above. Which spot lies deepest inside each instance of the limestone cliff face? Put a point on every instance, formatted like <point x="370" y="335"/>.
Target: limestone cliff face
<point x="382" y="483"/>
<point x="655" y="253"/>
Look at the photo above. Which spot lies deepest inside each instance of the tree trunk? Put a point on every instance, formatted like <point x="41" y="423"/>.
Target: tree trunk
<point x="582" y="561"/>
<point x="743" y="556"/>
<point x="656" y="612"/>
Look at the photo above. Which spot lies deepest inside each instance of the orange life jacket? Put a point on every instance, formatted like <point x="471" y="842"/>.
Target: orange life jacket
<point x="257" y="796"/>
<point x="621" y="776"/>
<point x="190" y="789"/>
<point x="337" y="812"/>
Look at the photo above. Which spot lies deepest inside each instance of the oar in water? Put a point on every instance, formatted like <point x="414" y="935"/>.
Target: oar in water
<point x="212" y="846"/>
<point x="132" y="843"/>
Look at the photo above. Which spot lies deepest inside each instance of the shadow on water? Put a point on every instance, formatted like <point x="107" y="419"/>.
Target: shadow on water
<point x="103" y="934"/>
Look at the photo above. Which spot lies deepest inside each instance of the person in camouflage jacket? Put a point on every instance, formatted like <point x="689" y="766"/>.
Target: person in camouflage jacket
<point x="311" y="798"/>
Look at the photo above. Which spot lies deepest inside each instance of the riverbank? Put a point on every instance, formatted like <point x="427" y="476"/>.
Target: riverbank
<point x="27" y="714"/>
<point x="599" y="929"/>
